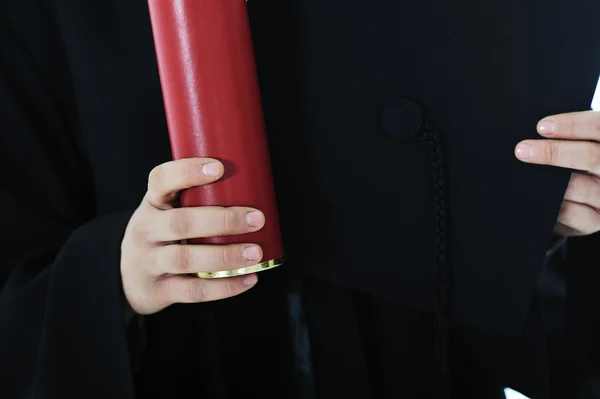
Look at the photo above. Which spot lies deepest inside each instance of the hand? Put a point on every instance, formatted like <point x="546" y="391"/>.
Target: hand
<point x="573" y="141"/>
<point x="155" y="267"/>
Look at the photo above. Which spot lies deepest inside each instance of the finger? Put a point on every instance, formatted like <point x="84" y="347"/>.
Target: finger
<point x="579" y="217"/>
<point x="201" y="222"/>
<point x="167" y="180"/>
<point x="565" y="231"/>
<point x="571" y="126"/>
<point x="580" y="155"/>
<point x="584" y="189"/>
<point x="180" y="289"/>
<point x="192" y="259"/>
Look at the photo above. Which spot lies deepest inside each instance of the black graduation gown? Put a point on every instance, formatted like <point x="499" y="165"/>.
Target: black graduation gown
<point x="364" y="103"/>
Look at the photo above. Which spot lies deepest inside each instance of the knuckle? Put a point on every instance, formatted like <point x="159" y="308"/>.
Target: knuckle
<point x="158" y="287"/>
<point x="180" y="258"/>
<point x="139" y="232"/>
<point x="571" y="127"/>
<point x="593" y="156"/>
<point x="195" y="293"/>
<point x="160" y="293"/>
<point x="552" y="153"/>
<point x="225" y="257"/>
<point x="156" y="177"/>
<point x="230" y="220"/>
<point x="189" y="173"/>
<point x="228" y="289"/>
<point x="180" y="222"/>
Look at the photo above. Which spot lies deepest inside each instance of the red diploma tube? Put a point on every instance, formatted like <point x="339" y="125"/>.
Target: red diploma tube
<point x="212" y="102"/>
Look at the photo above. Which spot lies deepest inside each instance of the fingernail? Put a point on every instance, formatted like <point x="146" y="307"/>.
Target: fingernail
<point x="211" y="169"/>
<point x="250" y="280"/>
<point x="546" y="128"/>
<point x="254" y="219"/>
<point x="252" y="253"/>
<point x="524" y="151"/>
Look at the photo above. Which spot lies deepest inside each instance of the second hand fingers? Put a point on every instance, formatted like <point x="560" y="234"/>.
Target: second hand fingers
<point x="579" y="217"/>
<point x="191" y="259"/>
<point x="584" y="189"/>
<point x="571" y="126"/>
<point x="579" y="155"/>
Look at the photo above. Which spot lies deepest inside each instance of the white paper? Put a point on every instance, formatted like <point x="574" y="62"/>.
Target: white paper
<point x="512" y="394"/>
<point x="596" y="100"/>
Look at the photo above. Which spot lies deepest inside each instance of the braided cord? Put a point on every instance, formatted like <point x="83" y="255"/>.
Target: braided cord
<point x="441" y="269"/>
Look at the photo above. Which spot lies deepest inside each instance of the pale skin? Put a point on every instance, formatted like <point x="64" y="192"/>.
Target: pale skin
<point x="155" y="267"/>
<point x="572" y="141"/>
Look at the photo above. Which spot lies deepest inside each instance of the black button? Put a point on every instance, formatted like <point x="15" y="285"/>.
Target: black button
<point x="402" y="118"/>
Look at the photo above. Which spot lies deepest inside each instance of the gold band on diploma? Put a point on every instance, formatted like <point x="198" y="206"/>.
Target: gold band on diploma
<point x="243" y="271"/>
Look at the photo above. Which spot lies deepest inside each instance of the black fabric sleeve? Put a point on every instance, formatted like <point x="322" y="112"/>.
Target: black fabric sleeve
<point x="137" y="334"/>
<point x="62" y="333"/>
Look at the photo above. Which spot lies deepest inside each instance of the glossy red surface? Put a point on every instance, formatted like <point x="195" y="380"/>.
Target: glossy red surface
<point x="212" y="101"/>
